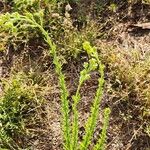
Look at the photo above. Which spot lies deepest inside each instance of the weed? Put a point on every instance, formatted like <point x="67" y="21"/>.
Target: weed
<point x="26" y="4"/>
<point x="70" y="142"/>
<point x="17" y="105"/>
<point x="101" y="143"/>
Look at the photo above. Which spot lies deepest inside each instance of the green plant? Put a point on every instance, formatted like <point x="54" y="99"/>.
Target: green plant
<point x="91" y="123"/>
<point x="18" y="104"/>
<point x="101" y="143"/>
<point x="25" y="4"/>
<point x="70" y="133"/>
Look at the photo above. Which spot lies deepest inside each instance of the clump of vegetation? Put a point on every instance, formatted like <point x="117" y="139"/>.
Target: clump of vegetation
<point x="132" y="63"/>
<point x="70" y="142"/>
<point x="128" y="82"/>
<point x="18" y="106"/>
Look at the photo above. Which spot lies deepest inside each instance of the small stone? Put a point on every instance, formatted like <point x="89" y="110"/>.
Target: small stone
<point x="68" y="7"/>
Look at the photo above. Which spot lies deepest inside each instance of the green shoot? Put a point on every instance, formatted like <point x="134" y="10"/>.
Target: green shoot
<point x="70" y="134"/>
